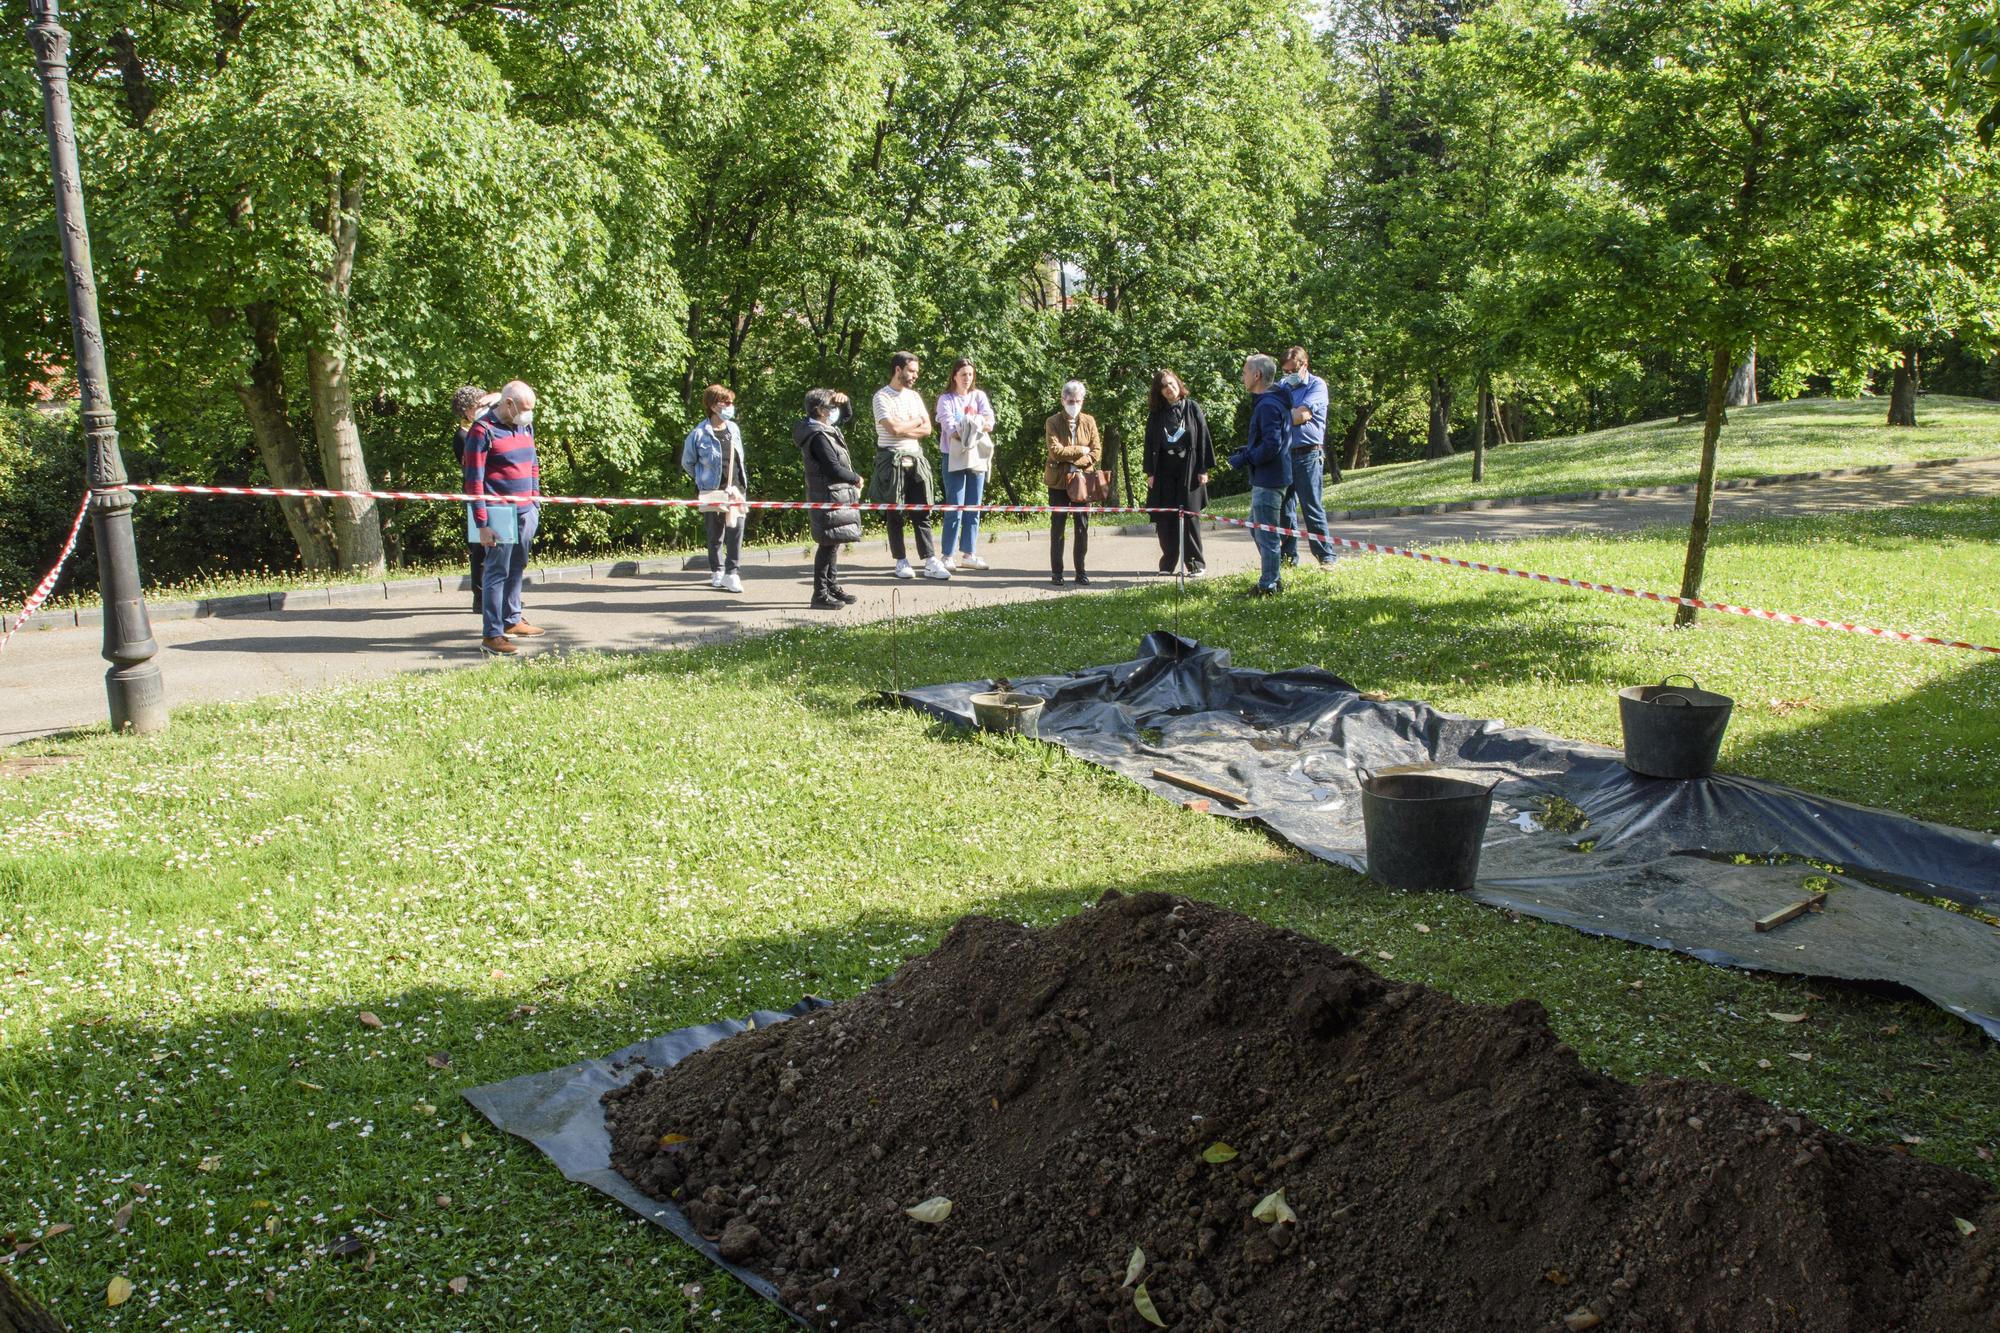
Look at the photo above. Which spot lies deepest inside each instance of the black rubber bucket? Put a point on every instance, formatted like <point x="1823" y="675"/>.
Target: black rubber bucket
<point x="1673" y="731"/>
<point x="1424" y="831"/>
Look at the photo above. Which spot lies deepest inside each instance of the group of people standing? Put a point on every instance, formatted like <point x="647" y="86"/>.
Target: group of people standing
<point x="1284" y="455"/>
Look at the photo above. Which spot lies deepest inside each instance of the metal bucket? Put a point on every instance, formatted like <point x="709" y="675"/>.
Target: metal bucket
<point x="1673" y="731"/>
<point x="1008" y="711"/>
<point x="1423" y="830"/>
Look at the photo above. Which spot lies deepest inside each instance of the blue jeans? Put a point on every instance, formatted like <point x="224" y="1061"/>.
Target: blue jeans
<point x="500" y="592"/>
<point x="1304" y="500"/>
<point x="963" y="487"/>
<point x="1267" y="504"/>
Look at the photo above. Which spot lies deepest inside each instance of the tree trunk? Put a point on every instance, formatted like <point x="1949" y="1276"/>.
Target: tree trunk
<point x="19" y="1313"/>
<point x="1485" y="409"/>
<point x="357" y="524"/>
<point x="1116" y="439"/>
<point x="1743" y="384"/>
<point x="1354" y="445"/>
<point x="1704" y="494"/>
<point x="1438" y="442"/>
<point x="1903" y="391"/>
<point x="269" y="411"/>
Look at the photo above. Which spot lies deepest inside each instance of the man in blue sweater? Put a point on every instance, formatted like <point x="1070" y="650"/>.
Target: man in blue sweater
<point x="1268" y="456"/>
<point x="1305" y="506"/>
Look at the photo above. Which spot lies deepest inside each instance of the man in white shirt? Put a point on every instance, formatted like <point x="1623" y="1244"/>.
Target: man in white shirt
<point x="902" y="465"/>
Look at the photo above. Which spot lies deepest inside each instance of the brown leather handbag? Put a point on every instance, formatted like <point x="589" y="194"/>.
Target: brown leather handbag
<point x="1088" y="487"/>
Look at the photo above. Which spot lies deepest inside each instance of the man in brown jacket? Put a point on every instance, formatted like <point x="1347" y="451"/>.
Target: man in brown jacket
<point x="1074" y="446"/>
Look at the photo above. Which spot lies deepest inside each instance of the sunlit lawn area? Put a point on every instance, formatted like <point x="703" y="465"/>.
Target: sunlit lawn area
<point x="1769" y="440"/>
<point x="520" y="865"/>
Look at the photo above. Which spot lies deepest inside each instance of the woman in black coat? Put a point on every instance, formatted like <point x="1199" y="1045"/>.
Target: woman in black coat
<point x="830" y="479"/>
<point x="1179" y="456"/>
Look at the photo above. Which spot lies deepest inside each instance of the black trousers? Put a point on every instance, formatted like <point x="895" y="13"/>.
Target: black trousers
<point x="478" y="551"/>
<point x="1180" y="539"/>
<point x="826" y="570"/>
<point x="914" y="492"/>
<point x="921" y="522"/>
<point x="1057" y="497"/>
<point x="721" y="538"/>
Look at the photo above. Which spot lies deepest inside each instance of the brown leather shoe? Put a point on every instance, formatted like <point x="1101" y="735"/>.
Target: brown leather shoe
<point x="503" y="644"/>
<point x="521" y="629"/>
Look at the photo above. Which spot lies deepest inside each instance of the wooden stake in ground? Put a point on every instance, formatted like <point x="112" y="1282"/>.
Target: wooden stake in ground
<point x="1784" y="914"/>
<point x="20" y="1314"/>
<point x="1206" y="789"/>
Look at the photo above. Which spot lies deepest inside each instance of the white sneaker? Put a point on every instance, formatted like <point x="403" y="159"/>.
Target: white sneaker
<point x="970" y="561"/>
<point x="903" y="570"/>
<point x="732" y="583"/>
<point x="934" y="568"/>
<point x="715" y="579"/>
<point x="951" y="563"/>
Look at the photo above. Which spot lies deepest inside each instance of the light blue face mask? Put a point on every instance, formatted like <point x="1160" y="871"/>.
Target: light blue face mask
<point x="728" y="413"/>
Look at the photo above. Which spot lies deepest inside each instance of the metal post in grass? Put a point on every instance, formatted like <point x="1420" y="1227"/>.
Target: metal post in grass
<point x="895" y="660"/>
<point x="137" y="697"/>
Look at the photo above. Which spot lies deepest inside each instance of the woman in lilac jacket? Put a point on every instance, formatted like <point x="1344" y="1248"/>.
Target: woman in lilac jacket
<point x="965" y="423"/>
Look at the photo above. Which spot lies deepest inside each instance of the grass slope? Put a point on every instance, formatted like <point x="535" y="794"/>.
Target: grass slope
<point x="1771" y="439"/>
<point x="516" y="866"/>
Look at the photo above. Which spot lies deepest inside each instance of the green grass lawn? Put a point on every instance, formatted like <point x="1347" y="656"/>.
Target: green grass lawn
<point x="523" y="864"/>
<point x="1771" y="439"/>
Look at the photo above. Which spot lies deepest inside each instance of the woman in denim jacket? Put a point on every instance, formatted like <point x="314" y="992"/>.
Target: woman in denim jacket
<point x="713" y="456"/>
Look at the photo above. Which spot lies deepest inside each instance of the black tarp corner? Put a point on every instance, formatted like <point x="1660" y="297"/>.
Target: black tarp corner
<point x="561" y="1112"/>
<point x="1659" y="863"/>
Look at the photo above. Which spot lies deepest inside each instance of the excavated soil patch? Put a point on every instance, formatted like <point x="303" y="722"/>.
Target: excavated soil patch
<point x="1451" y="1166"/>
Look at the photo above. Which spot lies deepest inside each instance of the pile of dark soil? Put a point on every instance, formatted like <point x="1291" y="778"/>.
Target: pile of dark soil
<point x="1449" y="1166"/>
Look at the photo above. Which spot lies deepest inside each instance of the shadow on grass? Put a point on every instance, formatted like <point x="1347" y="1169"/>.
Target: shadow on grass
<point x="1923" y="744"/>
<point x="265" y="1133"/>
<point x="1498" y="630"/>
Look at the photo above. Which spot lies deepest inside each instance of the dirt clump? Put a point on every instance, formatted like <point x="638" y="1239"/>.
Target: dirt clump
<point x="1147" y="1074"/>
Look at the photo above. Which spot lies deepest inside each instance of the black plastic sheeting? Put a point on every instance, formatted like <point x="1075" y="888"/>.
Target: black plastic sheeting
<point x="562" y="1113"/>
<point x="1660" y="867"/>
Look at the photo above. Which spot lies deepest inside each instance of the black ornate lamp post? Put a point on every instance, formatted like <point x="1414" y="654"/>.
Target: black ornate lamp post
<point x="138" y="701"/>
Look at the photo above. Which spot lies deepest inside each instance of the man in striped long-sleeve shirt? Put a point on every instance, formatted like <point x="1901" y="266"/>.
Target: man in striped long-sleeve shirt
<point x="500" y="461"/>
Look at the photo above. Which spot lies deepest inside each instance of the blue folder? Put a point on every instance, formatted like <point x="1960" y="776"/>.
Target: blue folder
<point x="503" y="518"/>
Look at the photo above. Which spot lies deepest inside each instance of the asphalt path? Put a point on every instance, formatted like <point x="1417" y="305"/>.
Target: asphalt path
<point x="52" y="680"/>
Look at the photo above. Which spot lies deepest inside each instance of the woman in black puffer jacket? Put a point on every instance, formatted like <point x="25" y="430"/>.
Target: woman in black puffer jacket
<point x="830" y="479"/>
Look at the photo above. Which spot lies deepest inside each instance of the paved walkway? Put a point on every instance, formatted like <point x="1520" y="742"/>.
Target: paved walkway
<point x="52" y="680"/>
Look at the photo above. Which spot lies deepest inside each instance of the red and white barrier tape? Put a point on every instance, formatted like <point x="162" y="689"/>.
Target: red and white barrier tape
<point x="627" y="501"/>
<point x="48" y="583"/>
<point x="1668" y="599"/>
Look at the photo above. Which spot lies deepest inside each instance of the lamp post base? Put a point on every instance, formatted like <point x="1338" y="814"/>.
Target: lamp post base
<point x="138" y="699"/>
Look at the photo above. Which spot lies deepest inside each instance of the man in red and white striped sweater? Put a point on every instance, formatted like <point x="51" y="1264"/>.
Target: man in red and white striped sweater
<point x="500" y="461"/>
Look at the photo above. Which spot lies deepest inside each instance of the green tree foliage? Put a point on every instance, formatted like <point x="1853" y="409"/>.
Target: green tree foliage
<point x="331" y="214"/>
<point x="1755" y="156"/>
<point x="1485" y="218"/>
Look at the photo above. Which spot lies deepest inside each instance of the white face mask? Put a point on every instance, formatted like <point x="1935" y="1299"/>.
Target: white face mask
<point x="1070" y="410"/>
<point x="526" y="418"/>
